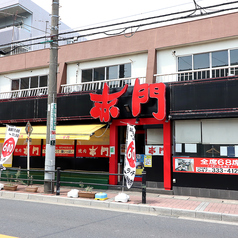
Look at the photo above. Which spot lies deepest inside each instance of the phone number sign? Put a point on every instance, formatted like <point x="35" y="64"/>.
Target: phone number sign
<point x="205" y="165"/>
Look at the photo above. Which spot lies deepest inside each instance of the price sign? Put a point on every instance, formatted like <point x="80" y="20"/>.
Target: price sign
<point x="8" y="147"/>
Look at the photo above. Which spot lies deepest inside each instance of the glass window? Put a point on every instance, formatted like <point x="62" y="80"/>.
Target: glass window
<point x="15" y="84"/>
<point x="201" y="61"/>
<point x="220" y="58"/>
<point x="24" y="83"/>
<point x="185" y="63"/>
<point x="125" y="71"/>
<point x="234" y="57"/>
<point x="34" y="82"/>
<point x="112" y="72"/>
<point x="87" y="75"/>
<point x="99" y="74"/>
<point x="43" y="81"/>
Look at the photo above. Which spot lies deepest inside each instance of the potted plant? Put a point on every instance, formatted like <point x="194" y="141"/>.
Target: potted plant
<point x="87" y="193"/>
<point x="30" y="187"/>
<point x="10" y="185"/>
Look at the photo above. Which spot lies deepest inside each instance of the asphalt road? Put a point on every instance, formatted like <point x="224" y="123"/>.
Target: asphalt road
<point x="34" y="219"/>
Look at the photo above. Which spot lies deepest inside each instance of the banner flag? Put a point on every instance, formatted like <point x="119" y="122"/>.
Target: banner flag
<point x="130" y="156"/>
<point x="11" y="137"/>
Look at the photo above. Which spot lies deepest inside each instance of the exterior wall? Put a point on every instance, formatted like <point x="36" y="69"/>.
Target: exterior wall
<point x="138" y="66"/>
<point x="148" y="41"/>
<point x="5" y="79"/>
<point x="166" y="61"/>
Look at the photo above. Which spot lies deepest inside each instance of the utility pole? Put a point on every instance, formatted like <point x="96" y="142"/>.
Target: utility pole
<point x="52" y="102"/>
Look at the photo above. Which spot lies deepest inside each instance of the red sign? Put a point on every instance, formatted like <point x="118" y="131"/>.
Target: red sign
<point x="205" y="165"/>
<point x="92" y="151"/>
<point x="105" y="104"/>
<point x="141" y="94"/>
<point x="8" y="147"/>
<point x="62" y="150"/>
<point x="21" y="150"/>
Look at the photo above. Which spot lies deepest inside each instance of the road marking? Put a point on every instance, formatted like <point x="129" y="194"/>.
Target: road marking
<point x="4" y="236"/>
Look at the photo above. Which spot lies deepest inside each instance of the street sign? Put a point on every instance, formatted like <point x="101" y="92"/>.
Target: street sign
<point x="28" y="128"/>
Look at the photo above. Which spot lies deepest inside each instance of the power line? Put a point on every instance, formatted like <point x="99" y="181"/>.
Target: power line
<point x="123" y="30"/>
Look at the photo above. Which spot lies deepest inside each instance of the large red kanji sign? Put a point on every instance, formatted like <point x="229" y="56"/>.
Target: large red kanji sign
<point x="105" y="103"/>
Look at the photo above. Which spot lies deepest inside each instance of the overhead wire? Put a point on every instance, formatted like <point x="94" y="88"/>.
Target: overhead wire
<point x="122" y="30"/>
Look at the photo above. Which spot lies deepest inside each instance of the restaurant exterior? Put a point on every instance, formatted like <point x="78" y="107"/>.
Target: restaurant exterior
<point x="176" y="84"/>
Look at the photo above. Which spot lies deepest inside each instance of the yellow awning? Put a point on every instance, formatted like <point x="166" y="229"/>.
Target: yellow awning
<point x="70" y="132"/>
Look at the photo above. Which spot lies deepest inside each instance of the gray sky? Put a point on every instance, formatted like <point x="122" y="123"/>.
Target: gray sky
<point x="77" y="14"/>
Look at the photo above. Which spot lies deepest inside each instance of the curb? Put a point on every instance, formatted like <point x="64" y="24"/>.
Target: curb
<point x="125" y="207"/>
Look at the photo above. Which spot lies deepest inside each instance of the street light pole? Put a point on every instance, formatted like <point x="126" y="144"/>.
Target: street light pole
<point x="52" y="102"/>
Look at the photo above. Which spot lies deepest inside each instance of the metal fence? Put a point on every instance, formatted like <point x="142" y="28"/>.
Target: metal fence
<point x="29" y="177"/>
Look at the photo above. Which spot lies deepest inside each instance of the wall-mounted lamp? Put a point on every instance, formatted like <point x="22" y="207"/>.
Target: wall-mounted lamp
<point x="174" y="52"/>
<point x="127" y="108"/>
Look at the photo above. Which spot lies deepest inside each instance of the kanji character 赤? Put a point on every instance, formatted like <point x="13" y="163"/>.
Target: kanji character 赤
<point x="104" y="104"/>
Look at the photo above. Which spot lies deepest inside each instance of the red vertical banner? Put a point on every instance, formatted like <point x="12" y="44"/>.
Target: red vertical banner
<point x="130" y="156"/>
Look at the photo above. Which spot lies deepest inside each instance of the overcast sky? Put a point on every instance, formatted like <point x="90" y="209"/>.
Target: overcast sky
<point x="76" y="13"/>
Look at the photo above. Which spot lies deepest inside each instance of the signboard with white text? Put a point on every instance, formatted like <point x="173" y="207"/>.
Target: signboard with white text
<point x="205" y="165"/>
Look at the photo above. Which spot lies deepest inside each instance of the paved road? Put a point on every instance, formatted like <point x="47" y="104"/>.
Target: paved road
<point x="34" y="219"/>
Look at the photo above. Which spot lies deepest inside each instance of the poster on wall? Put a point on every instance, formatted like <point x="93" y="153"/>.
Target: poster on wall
<point x="139" y="164"/>
<point x="148" y="161"/>
<point x="93" y="151"/>
<point x="205" y="165"/>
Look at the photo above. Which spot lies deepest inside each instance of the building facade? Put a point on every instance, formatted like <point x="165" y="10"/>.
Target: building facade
<point x="177" y="84"/>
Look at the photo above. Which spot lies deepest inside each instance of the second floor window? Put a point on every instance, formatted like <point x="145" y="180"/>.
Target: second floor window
<point x="106" y="73"/>
<point x="29" y="82"/>
<point x="208" y="65"/>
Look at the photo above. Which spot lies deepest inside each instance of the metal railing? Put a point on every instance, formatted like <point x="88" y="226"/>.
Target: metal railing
<point x="29" y="179"/>
<point x="31" y="92"/>
<point x="70" y="88"/>
<point x="197" y="74"/>
<point x="95" y="85"/>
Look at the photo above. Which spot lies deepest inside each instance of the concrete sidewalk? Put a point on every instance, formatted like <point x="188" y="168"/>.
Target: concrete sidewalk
<point x="156" y="204"/>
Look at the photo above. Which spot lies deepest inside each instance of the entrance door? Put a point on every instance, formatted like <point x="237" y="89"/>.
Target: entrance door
<point x="160" y="172"/>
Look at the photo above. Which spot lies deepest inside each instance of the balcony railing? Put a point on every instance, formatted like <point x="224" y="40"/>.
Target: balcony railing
<point x="70" y="88"/>
<point x="95" y="85"/>
<point x="197" y="74"/>
<point x="31" y="92"/>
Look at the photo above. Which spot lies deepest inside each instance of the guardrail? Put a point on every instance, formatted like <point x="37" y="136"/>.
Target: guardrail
<point x="25" y="179"/>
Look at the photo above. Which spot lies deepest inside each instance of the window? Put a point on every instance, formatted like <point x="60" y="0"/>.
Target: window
<point x="234" y="57"/>
<point x="99" y="74"/>
<point x="201" y="61"/>
<point x="30" y="82"/>
<point x="210" y="137"/>
<point x="185" y="63"/>
<point x="220" y="58"/>
<point x="87" y="75"/>
<point x="206" y="65"/>
<point x="107" y="73"/>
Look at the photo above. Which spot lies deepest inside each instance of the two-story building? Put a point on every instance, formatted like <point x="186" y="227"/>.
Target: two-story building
<point x="177" y="84"/>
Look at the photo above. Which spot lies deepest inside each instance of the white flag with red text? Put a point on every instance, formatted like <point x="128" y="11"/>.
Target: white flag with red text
<point x="130" y="156"/>
<point x="11" y="137"/>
